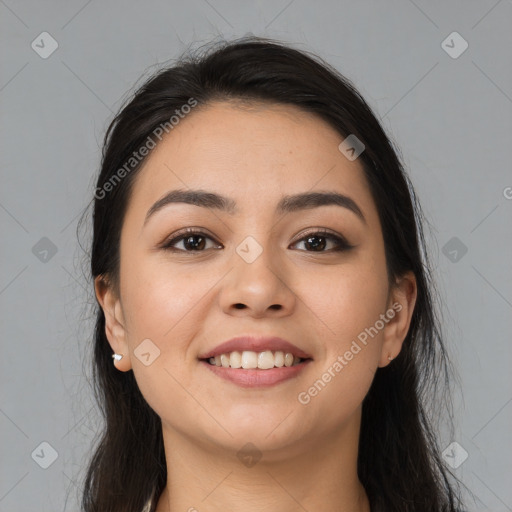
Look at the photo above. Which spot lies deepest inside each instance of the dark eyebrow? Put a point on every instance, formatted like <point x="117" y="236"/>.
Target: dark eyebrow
<point x="195" y="197"/>
<point x="309" y="200"/>
<point x="288" y="204"/>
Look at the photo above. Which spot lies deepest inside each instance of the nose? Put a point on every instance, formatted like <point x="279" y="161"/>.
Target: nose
<point x="258" y="288"/>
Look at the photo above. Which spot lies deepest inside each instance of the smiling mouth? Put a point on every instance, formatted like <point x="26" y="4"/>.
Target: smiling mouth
<point x="249" y="360"/>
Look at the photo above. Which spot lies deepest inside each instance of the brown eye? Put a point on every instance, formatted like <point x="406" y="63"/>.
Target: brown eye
<point x="317" y="242"/>
<point x="192" y="240"/>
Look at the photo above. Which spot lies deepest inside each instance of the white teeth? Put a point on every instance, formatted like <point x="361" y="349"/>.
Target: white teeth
<point x="252" y="360"/>
<point x="249" y="359"/>
<point x="235" y="359"/>
<point x="265" y="360"/>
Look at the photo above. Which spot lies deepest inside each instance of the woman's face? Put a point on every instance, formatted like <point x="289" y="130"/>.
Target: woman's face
<point x="257" y="271"/>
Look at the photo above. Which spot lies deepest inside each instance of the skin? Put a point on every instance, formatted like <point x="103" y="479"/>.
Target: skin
<point x="186" y="304"/>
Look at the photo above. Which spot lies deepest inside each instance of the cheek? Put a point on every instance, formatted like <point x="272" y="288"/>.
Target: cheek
<point x="157" y="299"/>
<point x="346" y="300"/>
<point x="161" y="305"/>
<point x="347" y="306"/>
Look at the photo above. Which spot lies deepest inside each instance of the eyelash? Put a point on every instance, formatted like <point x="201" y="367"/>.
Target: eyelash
<point x="342" y="244"/>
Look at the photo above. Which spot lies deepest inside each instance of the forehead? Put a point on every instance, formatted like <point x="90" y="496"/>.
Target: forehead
<point x="254" y="153"/>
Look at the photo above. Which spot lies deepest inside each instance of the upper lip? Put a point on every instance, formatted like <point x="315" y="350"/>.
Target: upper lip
<point x="255" y="344"/>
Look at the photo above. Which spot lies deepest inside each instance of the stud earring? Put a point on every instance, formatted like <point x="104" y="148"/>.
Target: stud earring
<point x="390" y="358"/>
<point x="117" y="357"/>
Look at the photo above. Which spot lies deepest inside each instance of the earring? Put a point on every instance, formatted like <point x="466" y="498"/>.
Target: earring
<point x="390" y="358"/>
<point x="117" y="357"/>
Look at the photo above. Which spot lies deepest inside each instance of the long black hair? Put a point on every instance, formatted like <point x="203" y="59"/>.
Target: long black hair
<point x="399" y="462"/>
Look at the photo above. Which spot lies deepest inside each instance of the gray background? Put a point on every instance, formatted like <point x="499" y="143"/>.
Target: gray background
<point x="451" y="117"/>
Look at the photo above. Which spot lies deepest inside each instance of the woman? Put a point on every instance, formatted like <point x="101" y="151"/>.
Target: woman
<point x="266" y="336"/>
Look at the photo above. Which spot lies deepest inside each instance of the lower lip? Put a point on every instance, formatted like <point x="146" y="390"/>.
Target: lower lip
<point x="257" y="378"/>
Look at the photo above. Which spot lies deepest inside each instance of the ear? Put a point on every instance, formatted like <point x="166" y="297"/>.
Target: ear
<point x="114" y="321"/>
<point x="402" y="299"/>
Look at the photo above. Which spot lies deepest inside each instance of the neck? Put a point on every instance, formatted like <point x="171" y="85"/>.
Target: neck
<point x="320" y="474"/>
